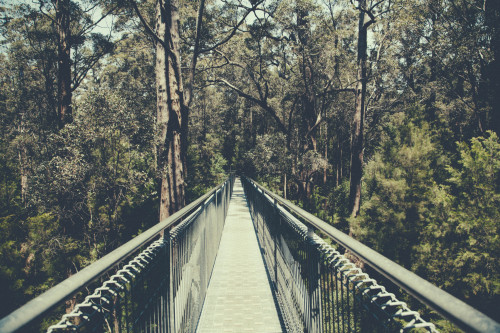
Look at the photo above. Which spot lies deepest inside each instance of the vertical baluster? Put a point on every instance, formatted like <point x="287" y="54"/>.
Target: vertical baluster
<point x="338" y="301"/>
<point x="324" y="297"/>
<point x="349" y="302"/>
<point x="276" y="230"/>
<point x="171" y="283"/>
<point x="331" y="297"/>
<point x="355" y="306"/>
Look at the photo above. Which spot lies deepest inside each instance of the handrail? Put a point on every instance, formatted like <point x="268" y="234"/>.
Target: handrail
<point x="450" y="307"/>
<point x="42" y="304"/>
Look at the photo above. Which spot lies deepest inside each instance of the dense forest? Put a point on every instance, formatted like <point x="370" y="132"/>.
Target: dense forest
<point x="382" y="117"/>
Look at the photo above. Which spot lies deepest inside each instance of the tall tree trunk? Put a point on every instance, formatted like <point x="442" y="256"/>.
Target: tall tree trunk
<point x="339" y="163"/>
<point x="478" y="95"/>
<point x="171" y="110"/>
<point x="284" y="185"/>
<point x="23" y="152"/>
<point x="24" y="174"/>
<point x="357" y="144"/>
<point x="178" y="122"/>
<point x="307" y="72"/>
<point x="493" y="21"/>
<point x="51" y="108"/>
<point x="64" y="62"/>
<point x="162" y="114"/>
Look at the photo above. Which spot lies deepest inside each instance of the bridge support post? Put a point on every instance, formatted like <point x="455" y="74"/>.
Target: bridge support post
<point x="315" y="317"/>
<point x="276" y="230"/>
<point x="170" y="301"/>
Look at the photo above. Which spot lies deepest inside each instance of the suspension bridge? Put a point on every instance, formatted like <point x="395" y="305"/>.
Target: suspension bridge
<point x="242" y="259"/>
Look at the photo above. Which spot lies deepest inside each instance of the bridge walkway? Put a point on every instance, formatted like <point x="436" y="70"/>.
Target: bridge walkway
<point x="239" y="297"/>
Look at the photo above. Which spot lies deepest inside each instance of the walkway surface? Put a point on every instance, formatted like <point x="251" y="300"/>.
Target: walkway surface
<point x="239" y="297"/>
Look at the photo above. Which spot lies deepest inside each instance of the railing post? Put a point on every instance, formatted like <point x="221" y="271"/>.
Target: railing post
<point x="276" y="240"/>
<point x="171" y="272"/>
<point x="205" y="249"/>
<point x="258" y="216"/>
<point x="315" y="324"/>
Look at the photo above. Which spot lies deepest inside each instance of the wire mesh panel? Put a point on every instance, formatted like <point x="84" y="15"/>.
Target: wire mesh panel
<point x="194" y="245"/>
<point x="163" y="288"/>
<point x="318" y="289"/>
<point x="133" y="300"/>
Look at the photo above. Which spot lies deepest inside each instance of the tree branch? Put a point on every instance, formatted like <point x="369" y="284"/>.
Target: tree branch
<point x="319" y="120"/>
<point x="231" y="63"/>
<point x="91" y="26"/>
<point x="352" y="90"/>
<point x="375" y="5"/>
<point x="45" y="14"/>
<point x="194" y="58"/>
<point x="235" y="28"/>
<point x="149" y="30"/>
<point x="257" y="101"/>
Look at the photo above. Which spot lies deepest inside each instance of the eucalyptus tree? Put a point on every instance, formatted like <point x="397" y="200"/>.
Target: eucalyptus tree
<point x="262" y="67"/>
<point x="368" y="13"/>
<point x="74" y="23"/>
<point x="35" y="54"/>
<point x="447" y="61"/>
<point x="34" y="39"/>
<point x="416" y="174"/>
<point x="173" y="99"/>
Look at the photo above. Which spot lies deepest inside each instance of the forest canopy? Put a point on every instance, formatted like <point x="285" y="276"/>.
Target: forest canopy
<point x="380" y="117"/>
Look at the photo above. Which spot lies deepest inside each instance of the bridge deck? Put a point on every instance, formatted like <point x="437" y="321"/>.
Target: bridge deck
<point x="239" y="297"/>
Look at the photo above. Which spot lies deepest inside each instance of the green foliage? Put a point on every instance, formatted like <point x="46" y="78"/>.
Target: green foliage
<point x="205" y="166"/>
<point x="399" y="189"/>
<point x="50" y="253"/>
<point x="319" y="204"/>
<point x="446" y="232"/>
<point x="12" y="278"/>
<point x="338" y="205"/>
<point x="460" y="253"/>
<point x="88" y="187"/>
<point x="268" y="157"/>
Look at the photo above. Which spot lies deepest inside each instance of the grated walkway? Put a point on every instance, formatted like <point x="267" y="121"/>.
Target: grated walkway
<point x="239" y="297"/>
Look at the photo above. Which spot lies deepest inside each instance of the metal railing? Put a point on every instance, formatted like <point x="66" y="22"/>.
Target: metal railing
<point x="156" y="282"/>
<point x="320" y="290"/>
